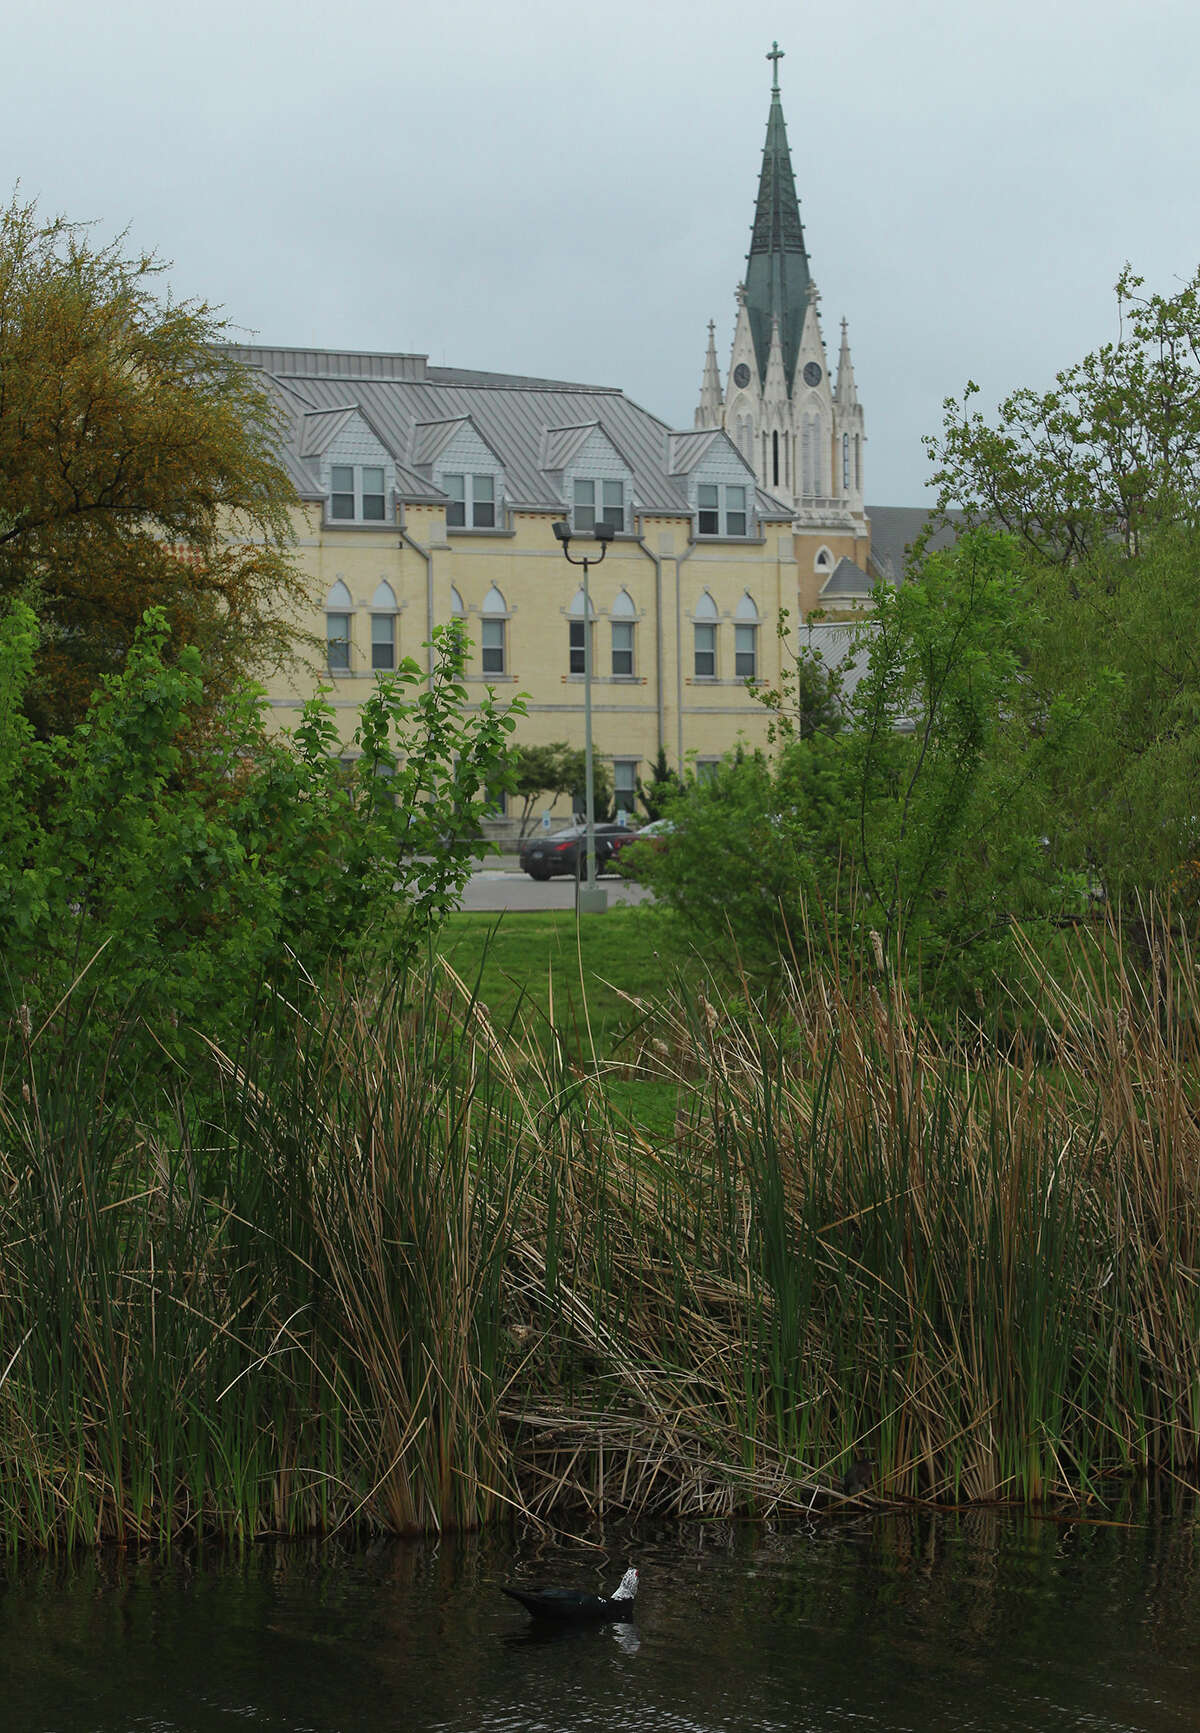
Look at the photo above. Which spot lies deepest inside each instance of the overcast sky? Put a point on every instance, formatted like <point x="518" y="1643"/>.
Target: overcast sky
<point x="567" y="191"/>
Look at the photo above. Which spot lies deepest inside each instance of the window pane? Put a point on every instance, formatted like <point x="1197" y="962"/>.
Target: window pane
<point x="706" y="651"/>
<point x="456" y="511"/>
<point x="577" y="648"/>
<point x="484" y="514"/>
<point x="706" y="496"/>
<point x="735" y="498"/>
<point x="735" y="523"/>
<point x="585" y="505"/>
<point x="337" y="640"/>
<point x="383" y="641"/>
<point x="372" y="494"/>
<point x="493" y="646"/>
<point x="614" y="503"/>
<point x="341" y="503"/>
<point x="708" y="522"/>
<point x="745" y="652"/>
<point x="622" y="647"/>
<point x="483" y="487"/>
<point x="483" y="495"/>
<point x="624" y="784"/>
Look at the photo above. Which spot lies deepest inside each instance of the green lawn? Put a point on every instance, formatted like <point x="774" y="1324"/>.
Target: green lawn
<point x="522" y="962"/>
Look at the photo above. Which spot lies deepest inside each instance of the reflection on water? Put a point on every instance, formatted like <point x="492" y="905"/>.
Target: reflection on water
<point x="977" y="1620"/>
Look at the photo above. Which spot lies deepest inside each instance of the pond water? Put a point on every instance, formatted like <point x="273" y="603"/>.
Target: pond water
<point x="969" y="1621"/>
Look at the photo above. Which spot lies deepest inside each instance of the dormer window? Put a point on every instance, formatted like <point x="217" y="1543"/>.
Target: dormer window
<point x="358" y="493"/>
<point x="472" y="501"/>
<point x="598" y="502"/>
<point x="720" y="509"/>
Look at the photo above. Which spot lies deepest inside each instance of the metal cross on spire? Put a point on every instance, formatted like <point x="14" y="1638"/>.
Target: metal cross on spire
<point x="775" y="56"/>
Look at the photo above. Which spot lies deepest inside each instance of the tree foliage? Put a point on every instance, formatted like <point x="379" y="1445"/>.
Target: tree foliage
<point x="550" y="771"/>
<point x="1113" y="449"/>
<point x="137" y="469"/>
<point x="271" y="861"/>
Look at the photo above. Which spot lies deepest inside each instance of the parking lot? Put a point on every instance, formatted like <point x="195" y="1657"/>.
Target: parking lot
<point x="496" y="887"/>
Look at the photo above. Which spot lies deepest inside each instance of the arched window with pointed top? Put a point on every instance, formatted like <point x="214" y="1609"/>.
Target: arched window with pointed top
<point x="493" y="632"/>
<point x="623" y="615"/>
<point x="704" y="632"/>
<point x="339" y="610"/>
<point x="823" y="564"/>
<point x="580" y="648"/>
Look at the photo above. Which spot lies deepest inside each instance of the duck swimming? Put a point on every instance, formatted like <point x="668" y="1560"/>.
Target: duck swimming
<point x="571" y="1606"/>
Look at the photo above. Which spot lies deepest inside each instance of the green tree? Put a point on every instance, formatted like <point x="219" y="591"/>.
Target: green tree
<point x="137" y="469"/>
<point x="1111" y="450"/>
<point x="1099" y="480"/>
<point x="180" y="895"/>
<point x="544" y="771"/>
<point x="663" y="787"/>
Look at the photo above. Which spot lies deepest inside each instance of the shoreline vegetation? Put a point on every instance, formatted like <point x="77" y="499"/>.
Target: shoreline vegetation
<point x="401" y="1262"/>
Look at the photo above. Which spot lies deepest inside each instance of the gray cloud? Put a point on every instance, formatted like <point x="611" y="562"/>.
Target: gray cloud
<point x="568" y="192"/>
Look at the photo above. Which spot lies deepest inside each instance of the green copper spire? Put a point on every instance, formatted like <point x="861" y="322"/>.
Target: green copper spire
<point x="777" y="277"/>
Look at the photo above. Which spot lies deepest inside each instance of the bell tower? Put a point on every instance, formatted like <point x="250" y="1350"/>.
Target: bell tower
<point x="805" y="438"/>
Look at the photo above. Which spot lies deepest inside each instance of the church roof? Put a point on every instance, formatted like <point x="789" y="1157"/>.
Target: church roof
<point x="847" y="579"/>
<point x="531" y="425"/>
<point x="894" y="528"/>
<point x="777" y="274"/>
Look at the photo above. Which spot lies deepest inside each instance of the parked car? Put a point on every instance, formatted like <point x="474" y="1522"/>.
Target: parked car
<point x="656" y="835"/>
<point x="542" y="855"/>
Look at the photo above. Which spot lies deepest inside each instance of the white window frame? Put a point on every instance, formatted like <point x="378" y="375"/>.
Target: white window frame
<point x="478" y="502"/>
<point x="745" y="632"/>
<point x="380" y="642"/>
<point x="726" y="516"/>
<point x="357" y="493"/>
<point x="602" y="501"/>
<point x="625" y="649"/>
<point x="493" y="655"/>
<point x="578" y="645"/>
<point x="339" y="663"/>
<point x="704" y="643"/>
<point x="630" y="766"/>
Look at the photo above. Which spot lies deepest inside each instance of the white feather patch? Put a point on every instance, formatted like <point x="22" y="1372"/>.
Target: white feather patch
<point x="629" y="1586"/>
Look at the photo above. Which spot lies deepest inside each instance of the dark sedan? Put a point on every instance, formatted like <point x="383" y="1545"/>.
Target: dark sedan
<point x="542" y="855"/>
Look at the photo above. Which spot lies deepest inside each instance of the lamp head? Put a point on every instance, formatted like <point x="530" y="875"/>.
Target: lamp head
<point x="562" y="530"/>
<point x="604" y="532"/>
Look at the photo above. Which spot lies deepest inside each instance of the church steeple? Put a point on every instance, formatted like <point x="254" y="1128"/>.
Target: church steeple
<point x="777" y="276"/>
<point x="846" y="395"/>
<point x="712" y="405"/>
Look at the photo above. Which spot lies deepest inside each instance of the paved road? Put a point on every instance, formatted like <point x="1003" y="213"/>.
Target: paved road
<point x="493" y="888"/>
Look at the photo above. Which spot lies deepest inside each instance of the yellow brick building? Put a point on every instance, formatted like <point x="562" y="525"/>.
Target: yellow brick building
<point x="429" y="493"/>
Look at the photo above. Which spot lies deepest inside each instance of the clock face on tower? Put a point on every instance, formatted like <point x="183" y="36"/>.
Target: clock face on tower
<point x="812" y="373"/>
<point x="741" y="375"/>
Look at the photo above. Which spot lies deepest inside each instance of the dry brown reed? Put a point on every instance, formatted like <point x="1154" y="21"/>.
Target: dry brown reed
<point x="390" y="1266"/>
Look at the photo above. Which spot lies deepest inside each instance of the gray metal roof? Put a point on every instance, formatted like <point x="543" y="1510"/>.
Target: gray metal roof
<point x="532" y="426"/>
<point x="847" y="579"/>
<point x="894" y="528"/>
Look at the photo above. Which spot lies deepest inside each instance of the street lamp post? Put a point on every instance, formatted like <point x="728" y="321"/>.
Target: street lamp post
<point x="593" y="899"/>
